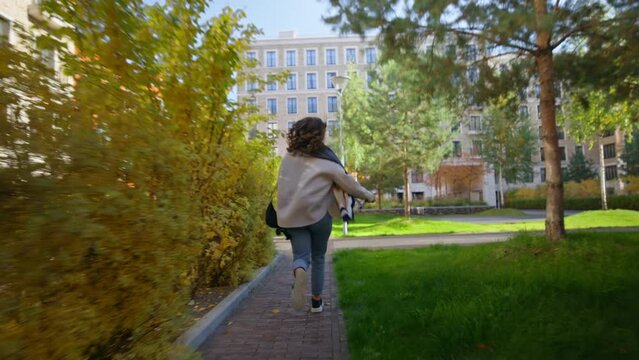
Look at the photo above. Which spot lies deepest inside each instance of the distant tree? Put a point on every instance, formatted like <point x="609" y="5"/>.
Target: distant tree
<point x="507" y="141"/>
<point x="630" y="155"/>
<point x="534" y="29"/>
<point x="588" y="116"/>
<point x="409" y="128"/>
<point x="580" y="168"/>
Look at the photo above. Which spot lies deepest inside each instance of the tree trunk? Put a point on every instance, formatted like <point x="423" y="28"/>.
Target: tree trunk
<point x="379" y="198"/>
<point x="406" y="204"/>
<point x="501" y="188"/>
<point x="602" y="176"/>
<point x="555" y="229"/>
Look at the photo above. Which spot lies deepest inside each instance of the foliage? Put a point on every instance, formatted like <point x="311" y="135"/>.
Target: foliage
<point x="525" y="296"/>
<point x="130" y="187"/>
<point x="408" y="128"/>
<point x="630" y="155"/>
<point x="632" y="184"/>
<point x="372" y="164"/>
<point x="579" y="169"/>
<point x="507" y="140"/>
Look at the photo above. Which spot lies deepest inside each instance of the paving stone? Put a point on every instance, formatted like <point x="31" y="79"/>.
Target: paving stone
<point x="266" y="327"/>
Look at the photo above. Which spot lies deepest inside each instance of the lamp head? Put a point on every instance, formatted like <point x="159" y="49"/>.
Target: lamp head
<point x="340" y="82"/>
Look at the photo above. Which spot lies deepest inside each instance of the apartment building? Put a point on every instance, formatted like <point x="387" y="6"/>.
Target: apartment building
<point x="308" y="91"/>
<point x="29" y="15"/>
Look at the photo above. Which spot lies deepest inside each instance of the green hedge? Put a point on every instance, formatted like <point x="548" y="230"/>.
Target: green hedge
<point x="629" y="202"/>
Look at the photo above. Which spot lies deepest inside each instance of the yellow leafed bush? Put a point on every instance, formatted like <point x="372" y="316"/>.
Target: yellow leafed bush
<point x="123" y="192"/>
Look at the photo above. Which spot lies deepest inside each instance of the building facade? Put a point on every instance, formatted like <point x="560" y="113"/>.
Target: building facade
<point x="308" y="91"/>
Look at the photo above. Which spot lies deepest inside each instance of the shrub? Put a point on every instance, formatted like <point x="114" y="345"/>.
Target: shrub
<point x="629" y="202"/>
<point x="127" y="190"/>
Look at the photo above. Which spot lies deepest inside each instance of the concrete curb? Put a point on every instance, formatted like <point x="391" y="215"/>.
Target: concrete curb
<point x="198" y="333"/>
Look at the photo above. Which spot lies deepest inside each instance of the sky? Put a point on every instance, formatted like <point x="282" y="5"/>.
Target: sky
<point x="273" y="16"/>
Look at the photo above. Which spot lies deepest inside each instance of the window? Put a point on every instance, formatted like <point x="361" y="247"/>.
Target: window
<point x="329" y="79"/>
<point x="311" y="57"/>
<point x="252" y="103"/>
<point x="541" y="132"/>
<point x="451" y="50"/>
<point x="291" y="82"/>
<point x="47" y="56"/>
<point x="542" y="174"/>
<point x="538" y="111"/>
<point x="608" y="133"/>
<point x="5" y="30"/>
<point x="271" y="59"/>
<point x="290" y="58"/>
<point x="311" y="81"/>
<point x="471" y="53"/>
<point x="291" y="105"/>
<point x="562" y="153"/>
<point x="537" y="91"/>
<point x="457" y="152"/>
<point x="455" y="128"/>
<point x="609" y="151"/>
<point x="332" y="104"/>
<point x="523" y="111"/>
<point x="271" y="128"/>
<point x="371" y="55"/>
<point x="369" y="78"/>
<point x="351" y="56"/>
<point x="251" y="85"/>
<point x="272" y="84"/>
<point x="331" y="127"/>
<point x="579" y="149"/>
<point x="416" y="177"/>
<point x="541" y="154"/>
<point x="250" y="55"/>
<point x="473" y="75"/>
<point x="522" y="94"/>
<point x="611" y="172"/>
<point x="476" y="148"/>
<point x="331" y="57"/>
<point x="564" y="172"/>
<point x="311" y="105"/>
<point x="528" y="176"/>
<point x="475" y="123"/>
<point x="271" y="106"/>
<point x="290" y="124"/>
<point x="560" y="134"/>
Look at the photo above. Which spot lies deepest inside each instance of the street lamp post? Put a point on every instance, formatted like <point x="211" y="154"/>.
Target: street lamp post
<point x="340" y="83"/>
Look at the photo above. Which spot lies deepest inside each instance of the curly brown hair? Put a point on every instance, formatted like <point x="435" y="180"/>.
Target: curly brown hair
<point x="306" y="136"/>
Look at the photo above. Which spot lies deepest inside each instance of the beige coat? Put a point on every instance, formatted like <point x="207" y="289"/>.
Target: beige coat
<point x="304" y="193"/>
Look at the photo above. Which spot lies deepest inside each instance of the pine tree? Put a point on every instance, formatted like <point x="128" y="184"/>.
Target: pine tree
<point x="534" y="29"/>
<point x="580" y="168"/>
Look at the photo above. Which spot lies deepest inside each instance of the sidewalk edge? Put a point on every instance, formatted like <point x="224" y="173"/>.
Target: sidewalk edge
<point x="200" y="331"/>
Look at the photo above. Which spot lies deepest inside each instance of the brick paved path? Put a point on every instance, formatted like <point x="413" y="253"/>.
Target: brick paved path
<point x="266" y="327"/>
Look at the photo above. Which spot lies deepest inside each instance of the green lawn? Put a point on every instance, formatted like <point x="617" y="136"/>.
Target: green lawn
<point x="523" y="299"/>
<point x="500" y="212"/>
<point x="386" y="224"/>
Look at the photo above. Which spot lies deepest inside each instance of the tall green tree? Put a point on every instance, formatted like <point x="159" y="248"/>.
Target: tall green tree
<point x="507" y="141"/>
<point x="630" y="155"/>
<point x="535" y="29"/>
<point x="411" y="129"/>
<point x="580" y="168"/>
<point x="588" y="117"/>
<point x="373" y="166"/>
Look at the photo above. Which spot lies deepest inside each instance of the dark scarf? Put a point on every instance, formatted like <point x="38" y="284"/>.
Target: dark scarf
<point x="327" y="153"/>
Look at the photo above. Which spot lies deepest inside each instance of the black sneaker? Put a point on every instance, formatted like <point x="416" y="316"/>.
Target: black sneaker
<point x="317" y="305"/>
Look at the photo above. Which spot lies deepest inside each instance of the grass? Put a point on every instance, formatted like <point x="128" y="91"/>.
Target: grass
<point x="500" y="212"/>
<point x="388" y="224"/>
<point x="524" y="299"/>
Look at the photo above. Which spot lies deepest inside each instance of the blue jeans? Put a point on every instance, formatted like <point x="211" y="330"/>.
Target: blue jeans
<point x="309" y="247"/>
